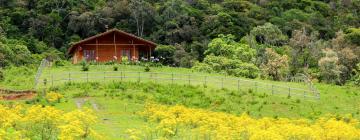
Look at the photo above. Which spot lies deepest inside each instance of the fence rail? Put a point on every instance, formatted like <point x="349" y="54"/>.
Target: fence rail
<point x="175" y="78"/>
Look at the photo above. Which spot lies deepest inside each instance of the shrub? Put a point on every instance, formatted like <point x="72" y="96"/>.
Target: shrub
<point x="116" y="68"/>
<point x="53" y="96"/>
<point x="276" y="66"/>
<point x="59" y="63"/>
<point x="46" y="122"/>
<point x="166" y="52"/>
<point x="202" y="67"/>
<point x="109" y="63"/>
<point x="229" y="66"/>
<point x="84" y="66"/>
<point x="147" y="68"/>
<point x="2" y="77"/>
<point x="125" y="60"/>
<point x="329" y="67"/>
<point x="246" y="70"/>
<point x="356" y="78"/>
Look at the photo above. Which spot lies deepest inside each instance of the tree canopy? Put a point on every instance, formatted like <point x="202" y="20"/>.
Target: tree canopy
<point x="189" y="30"/>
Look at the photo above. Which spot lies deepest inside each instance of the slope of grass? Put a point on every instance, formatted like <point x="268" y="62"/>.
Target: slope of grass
<point x="18" y="78"/>
<point x="117" y="103"/>
<point x="105" y="73"/>
<point x="256" y="104"/>
<point x="64" y="70"/>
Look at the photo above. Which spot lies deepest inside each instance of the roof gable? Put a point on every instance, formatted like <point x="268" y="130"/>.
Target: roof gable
<point x="109" y="32"/>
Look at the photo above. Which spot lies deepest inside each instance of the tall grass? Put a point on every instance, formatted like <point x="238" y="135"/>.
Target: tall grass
<point x="20" y="78"/>
<point x="256" y="104"/>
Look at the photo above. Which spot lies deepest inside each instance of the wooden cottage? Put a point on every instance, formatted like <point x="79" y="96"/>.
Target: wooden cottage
<point x="112" y="45"/>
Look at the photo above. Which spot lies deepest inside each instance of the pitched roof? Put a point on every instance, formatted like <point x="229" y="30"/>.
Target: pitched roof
<point x="108" y="32"/>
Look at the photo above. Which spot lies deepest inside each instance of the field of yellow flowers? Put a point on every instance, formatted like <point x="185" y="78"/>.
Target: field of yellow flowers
<point x="38" y="122"/>
<point x="179" y="121"/>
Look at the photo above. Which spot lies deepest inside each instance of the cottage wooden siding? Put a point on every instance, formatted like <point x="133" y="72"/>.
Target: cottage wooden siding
<point x="111" y="46"/>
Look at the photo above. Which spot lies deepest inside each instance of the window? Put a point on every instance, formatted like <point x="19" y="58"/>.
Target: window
<point x="126" y="53"/>
<point x="89" y="55"/>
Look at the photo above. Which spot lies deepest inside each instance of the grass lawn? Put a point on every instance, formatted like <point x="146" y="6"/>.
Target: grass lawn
<point x="117" y="104"/>
<point x="164" y="75"/>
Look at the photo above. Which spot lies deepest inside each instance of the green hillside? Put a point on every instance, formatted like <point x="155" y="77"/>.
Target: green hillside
<point x="221" y="69"/>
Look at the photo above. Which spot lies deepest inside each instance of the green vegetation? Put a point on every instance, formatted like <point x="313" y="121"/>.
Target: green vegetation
<point x="256" y="104"/>
<point x="241" y="38"/>
<point x="117" y="103"/>
<point x="259" y="40"/>
<point x="21" y="78"/>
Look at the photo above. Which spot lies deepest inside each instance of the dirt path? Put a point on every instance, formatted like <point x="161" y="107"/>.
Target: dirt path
<point x="80" y="102"/>
<point x="94" y="105"/>
<point x="6" y="94"/>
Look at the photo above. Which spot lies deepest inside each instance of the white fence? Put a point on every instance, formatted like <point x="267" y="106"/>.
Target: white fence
<point x="188" y="79"/>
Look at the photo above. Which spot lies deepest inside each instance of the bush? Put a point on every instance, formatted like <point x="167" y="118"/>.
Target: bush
<point x="147" y="68"/>
<point x="329" y="67"/>
<point x="116" y="68"/>
<point x="59" y="63"/>
<point x="245" y="70"/>
<point x="109" y="63"/>
<point x="84" y="66"/>
<point x="202" y="67"/>
<point x="53" y="97"/>
<point x="2" y="77"/>
<point x="166" y="53"/>
<point x="125" y="60"/>
<point x="225" y="65"/>
<point x="356" y="78"/>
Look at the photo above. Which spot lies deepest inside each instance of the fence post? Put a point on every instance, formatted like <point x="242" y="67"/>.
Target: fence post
<point x="205" y="82"/>
<point x="139" y="77"/>
<point x="222" y="83"/>
<point x="122" y="75"/>
<point x="238" y="85"/>
<point x="255" y="86"/>
<point x="189" y="78"/>
<point x="272" y="89"/>
<point x="69" y="77"/>
<point x="304" y="94"/>
<point x="52" y="80"/>
<point x="289" y="92"/>
<point x="151" y="76"/>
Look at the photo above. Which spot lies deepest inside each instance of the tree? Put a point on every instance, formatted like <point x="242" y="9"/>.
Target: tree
<point x="268" y="34"/>
<point x="348" y="55"/>
<point x="13" y="52"/>
<point x="165" y="54"/>
<point x="82" y="23"/>
<point x="225" y="55"/>
<point x="226" y="46"/>
<point x="276" y="65"/>
<point x="356" y="78"/>
<point x="353" y="35"/>
<point x="304" y="50"/>
<point x="140" y="11"/>
<point x="329" y="67"/>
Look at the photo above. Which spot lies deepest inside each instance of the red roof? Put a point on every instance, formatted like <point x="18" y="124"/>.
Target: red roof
<point x="108" y="32"/>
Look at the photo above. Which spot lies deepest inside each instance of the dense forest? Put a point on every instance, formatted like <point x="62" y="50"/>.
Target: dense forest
<point x="255" y="38"/>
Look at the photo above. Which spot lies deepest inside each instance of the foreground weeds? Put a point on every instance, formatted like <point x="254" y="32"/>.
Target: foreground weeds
<point x="182" y="122"/>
